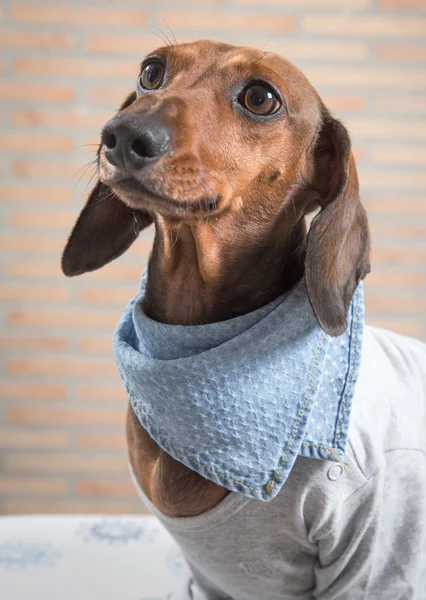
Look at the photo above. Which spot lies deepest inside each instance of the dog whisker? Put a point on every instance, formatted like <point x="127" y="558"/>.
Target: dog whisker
<point x="87" y="165"/>
<point x="258" y="51"/>
<point x="162" y="36"/>
<point x="91" y="179"/>
<point x="85" y="146"/>
<point x="171" y="32"/>
<point x="84" y="170"/>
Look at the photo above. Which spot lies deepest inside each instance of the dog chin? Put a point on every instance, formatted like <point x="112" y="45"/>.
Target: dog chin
<point x="138" y="195"/>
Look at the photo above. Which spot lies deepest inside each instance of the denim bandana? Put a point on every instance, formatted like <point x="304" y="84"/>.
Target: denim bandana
<point x="237" y="401"/>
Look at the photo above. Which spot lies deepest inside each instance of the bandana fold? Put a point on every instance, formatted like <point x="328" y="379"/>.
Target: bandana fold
<point x="237" y="401"/>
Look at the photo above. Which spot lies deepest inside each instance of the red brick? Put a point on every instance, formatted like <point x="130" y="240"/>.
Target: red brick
<point x="71" y="507"/>
<point x="111" y="272"/>
<point x="69" y="462"/>
<point x="35" y="194"/>
<point x="314" y="50"/>
<point x="34" y="169"/>
<point x="75" y="67"/>
<point x="20" y="39"/>
<point x="32" y="486"/>
<point x="397" y="205"/>
<point x="403" y="326"/>
<point x="344" y="102"/>
<point x="405" y="180"/>
<point x="363" y="26"/>
<point x="122" y="272"/>
<point x="26" y="243"/>
<point x="313" y="4"/>
<point x="367" y="77"/>
<point x="11" y="390"/>
<point x="291" y="49"/>
<point x="30" y="142"/>
<point x="112" y="96"/>
<point x="64" y="416"/>
<point x="105" y="489"/>
<point x="379" y="128"/>
<point x="43" y="220"/>
<point x="72" y="118"/>
<point x="35" y="343"/>
<point x="12" y="90"/>
<point x="139" y="45"/>
<point x="358" y="153"/>
<point x="64" y="318"/>
<point x="27" y="438"/>
<point x="96" y="345"/>
<point x="102" y="441"/>
<point x="395" y="304"/>
<point x="401" y="280"/>
<point x="92" y="142"/>
<point x="178" y="2"/>
<point x="402" y="52"/>
<point x="100" y="392"/>
<point x="398" y="256"/>
<point x="404" y="4"/>
<point x="36" y="269"/>
<point x="403" y="105"/>
<point x="407" y="154"/>
<point x="397" y="229"/>
<point x="28" y="293"/>
<point x="233" y="20"/>
<point x="142" y="247"/>
<point x="62" y="367"/>
<point x="107" y="296"/>
<point x="82" y="16"/>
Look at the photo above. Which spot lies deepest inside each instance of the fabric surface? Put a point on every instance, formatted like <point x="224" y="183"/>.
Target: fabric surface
<point x="332" y="533"/>
<point x="89" y="558"/>
<point x="237" y="401"/>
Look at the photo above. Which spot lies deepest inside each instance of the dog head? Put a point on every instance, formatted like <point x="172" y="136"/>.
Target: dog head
<point x="212" y="128"/>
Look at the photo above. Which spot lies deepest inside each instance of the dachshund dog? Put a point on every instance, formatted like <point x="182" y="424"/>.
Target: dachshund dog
<point x="226" y="150"/>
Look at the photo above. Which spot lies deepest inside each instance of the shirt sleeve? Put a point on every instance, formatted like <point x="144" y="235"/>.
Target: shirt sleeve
<point x="373" y="545"/>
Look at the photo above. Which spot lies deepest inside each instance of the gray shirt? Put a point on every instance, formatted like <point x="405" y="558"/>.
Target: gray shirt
<point x="334" y="532"/>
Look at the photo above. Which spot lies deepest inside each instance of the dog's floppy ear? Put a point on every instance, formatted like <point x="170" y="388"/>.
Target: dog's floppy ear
<point x="338" y="249"/>
<point x="105" y="228"/>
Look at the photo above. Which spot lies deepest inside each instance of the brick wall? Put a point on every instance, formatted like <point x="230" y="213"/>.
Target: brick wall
<point x="65" y="66"/>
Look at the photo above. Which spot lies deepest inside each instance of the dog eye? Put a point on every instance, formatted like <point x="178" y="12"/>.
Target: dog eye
<point x="259" y="99"/>
<point x="152" y="75"/>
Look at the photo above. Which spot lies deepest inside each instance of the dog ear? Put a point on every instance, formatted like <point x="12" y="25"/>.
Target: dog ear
<point x="105" y="228"/>
<point x="338" y="248"/>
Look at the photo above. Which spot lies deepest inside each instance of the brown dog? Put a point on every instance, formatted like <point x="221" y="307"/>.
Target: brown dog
<point x="226" y="150"/>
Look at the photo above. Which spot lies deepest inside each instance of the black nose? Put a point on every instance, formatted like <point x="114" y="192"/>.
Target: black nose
<point x="132" y="141"/>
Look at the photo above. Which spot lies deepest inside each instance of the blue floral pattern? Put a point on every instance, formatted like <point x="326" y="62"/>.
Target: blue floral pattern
<point x="20" y="555"/>
<point x="116" y="532"/>
<point x="83" y="557"/>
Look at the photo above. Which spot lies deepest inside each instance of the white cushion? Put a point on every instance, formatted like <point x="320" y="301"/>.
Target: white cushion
<point x="88" y="558"/>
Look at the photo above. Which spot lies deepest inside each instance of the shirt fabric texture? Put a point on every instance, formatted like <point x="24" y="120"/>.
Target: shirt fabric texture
<point x="330" y="532"/>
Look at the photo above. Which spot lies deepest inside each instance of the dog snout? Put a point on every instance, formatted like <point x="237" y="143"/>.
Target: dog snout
<point x="130" y="141"/>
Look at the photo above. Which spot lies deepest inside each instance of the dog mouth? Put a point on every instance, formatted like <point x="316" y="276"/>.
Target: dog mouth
<point x="137" y="194"/>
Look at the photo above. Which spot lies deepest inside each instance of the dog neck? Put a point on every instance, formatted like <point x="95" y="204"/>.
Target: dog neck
<point x="214" y="269"/>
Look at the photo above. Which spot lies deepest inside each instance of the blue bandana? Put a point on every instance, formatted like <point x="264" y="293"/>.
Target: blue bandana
<point x="237" y="401"/>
